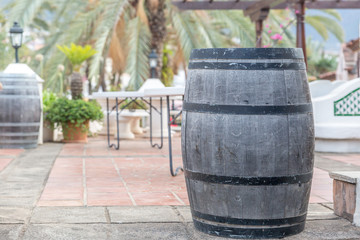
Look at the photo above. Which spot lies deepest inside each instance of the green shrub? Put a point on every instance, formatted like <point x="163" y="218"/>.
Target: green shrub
<point x="48" y="99"/>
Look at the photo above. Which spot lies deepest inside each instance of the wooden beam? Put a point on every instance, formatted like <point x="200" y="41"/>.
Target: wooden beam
<point x="240" y="5"/>
<point x="261" y="5"/>
<point x="260" y="15"/>
<point x="333" y="4"/>
<point x="300" y="28"/>
<point x="204" y="5"/>
<point x="259" y="30"/>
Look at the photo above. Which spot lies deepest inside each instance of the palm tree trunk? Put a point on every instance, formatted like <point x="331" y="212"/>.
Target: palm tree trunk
<point x="157" y="25"/>
<point x="76" y="85"/>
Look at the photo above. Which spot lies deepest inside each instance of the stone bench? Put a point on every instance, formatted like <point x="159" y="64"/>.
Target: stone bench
<point x="337" y="119"/>
<point x="129" y="123"/>
<point x="319" y="88"/>
<point x="346" y="195"/>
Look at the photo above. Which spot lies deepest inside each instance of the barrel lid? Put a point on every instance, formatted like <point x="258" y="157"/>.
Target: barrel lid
<point x="247" y="53"/>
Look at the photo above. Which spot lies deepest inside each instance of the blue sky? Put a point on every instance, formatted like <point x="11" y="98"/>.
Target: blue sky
<point x="350" y="23"/>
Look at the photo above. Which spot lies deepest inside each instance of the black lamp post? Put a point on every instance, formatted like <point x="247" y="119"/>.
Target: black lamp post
<point x="153" y="59"/>
<point x="16" y="38"/>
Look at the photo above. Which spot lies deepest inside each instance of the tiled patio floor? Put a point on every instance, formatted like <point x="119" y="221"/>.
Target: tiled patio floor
<point x="7" y="155"/>
<point x="93" y="175"/>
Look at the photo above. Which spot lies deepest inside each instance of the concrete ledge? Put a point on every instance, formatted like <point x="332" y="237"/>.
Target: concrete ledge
<point x="69" y="215"/>
<point x="337" y="145"/>
<point x="138" y="214"/>
<point x="346" y="199"/>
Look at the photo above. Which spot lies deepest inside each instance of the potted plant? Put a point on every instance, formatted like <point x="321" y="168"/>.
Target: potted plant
<point x="73" y="116"/>
<point x="76" y="55"/>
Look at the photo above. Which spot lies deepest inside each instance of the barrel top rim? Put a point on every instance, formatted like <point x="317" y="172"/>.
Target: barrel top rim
<point x="16" y="75"/>
<point x="247" y="53"/>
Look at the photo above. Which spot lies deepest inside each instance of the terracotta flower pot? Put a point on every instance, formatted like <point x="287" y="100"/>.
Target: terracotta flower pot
<point x="73" y="134"/>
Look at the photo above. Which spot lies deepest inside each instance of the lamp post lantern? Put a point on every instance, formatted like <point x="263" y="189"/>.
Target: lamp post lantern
<point x="153" y="59"/>
<point x="16" y="38"/>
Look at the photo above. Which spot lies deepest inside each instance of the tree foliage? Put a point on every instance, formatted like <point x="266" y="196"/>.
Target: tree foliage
<point x="126" y="30"/>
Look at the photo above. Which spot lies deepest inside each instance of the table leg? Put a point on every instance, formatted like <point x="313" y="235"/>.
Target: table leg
<point x="170" y="144"/>
<point x="117" y="124"/>
<point x="161" y="124"/>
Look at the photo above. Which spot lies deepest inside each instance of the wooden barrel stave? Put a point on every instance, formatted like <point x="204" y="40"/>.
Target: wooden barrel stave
<point x="240" y="154"/>
<point x="219" y="205"/>
<point x="20" y="111"/>
<point x="272" y="146"/>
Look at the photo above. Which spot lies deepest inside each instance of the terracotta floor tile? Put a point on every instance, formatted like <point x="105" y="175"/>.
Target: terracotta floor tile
<point x="11" y="152"/>
<point x="63" y="179"/>
<point x="4" y="162"/>
<point x="157" y="198"/>
<point x="63" y="189"/>
<point x="107" y="195"/>
<point x="63" y="196"/>
<point x="106" y="189"/>
<point x="46" y="203"/>
<point x="96" y="184"/>
<point x="110" y="202"/>
<point x="315" y="199"/>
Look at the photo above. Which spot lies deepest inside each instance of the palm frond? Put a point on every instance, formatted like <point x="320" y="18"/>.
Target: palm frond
<point x="317" y="25"/>
<point x="103" y="31"/>
<point x="209" y="34"/>
<point x="24" y="12"/>
<point x="184" y="27"/>
<point x="79" y="26"/>
<point x="117" y="51"/>
<point x="240" y="26"/>
<point x="329" y="24"/>
<point x="137" y="61"/>
<point x="332" y="12"/>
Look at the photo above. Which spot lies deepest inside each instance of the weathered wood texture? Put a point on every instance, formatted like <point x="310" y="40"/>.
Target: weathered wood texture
<point x="257" y="145"/>
<point x="19" y="111"/>
<point x="344" y="195"/>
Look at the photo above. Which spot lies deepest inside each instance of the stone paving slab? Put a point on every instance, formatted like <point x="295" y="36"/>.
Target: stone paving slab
<point x="184" y="212"/>
<point x="319" y="211"/>
<point x="138" y="214"/>
<point x="22" y="182"/>
<point x="10" y="231"/>
<point x="328" y="229"/>
<point x="319" y="230"/>
<point x="14" y="214"/>
<point x="144" y="222"/>
<point x="163" y="231"/>
<point x="331" y="165"/>
<point x="66" y="232"/>
<point x="69" y="215"/>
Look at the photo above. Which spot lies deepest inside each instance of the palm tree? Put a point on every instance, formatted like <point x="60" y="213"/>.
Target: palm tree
<point x="126" y="31"/>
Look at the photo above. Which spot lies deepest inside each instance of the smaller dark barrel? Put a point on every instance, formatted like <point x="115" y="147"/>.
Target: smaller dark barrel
<point x="20" y="111"/>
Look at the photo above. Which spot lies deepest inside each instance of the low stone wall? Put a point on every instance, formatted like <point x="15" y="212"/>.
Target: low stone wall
<point x="337" y="119"/>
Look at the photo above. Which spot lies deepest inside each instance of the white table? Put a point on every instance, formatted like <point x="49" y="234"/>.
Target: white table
<point x="151" y="93"/>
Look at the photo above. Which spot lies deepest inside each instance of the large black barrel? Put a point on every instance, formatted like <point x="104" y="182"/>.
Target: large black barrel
<point x="248" y="141"/>
<point x="19" y="111"/>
